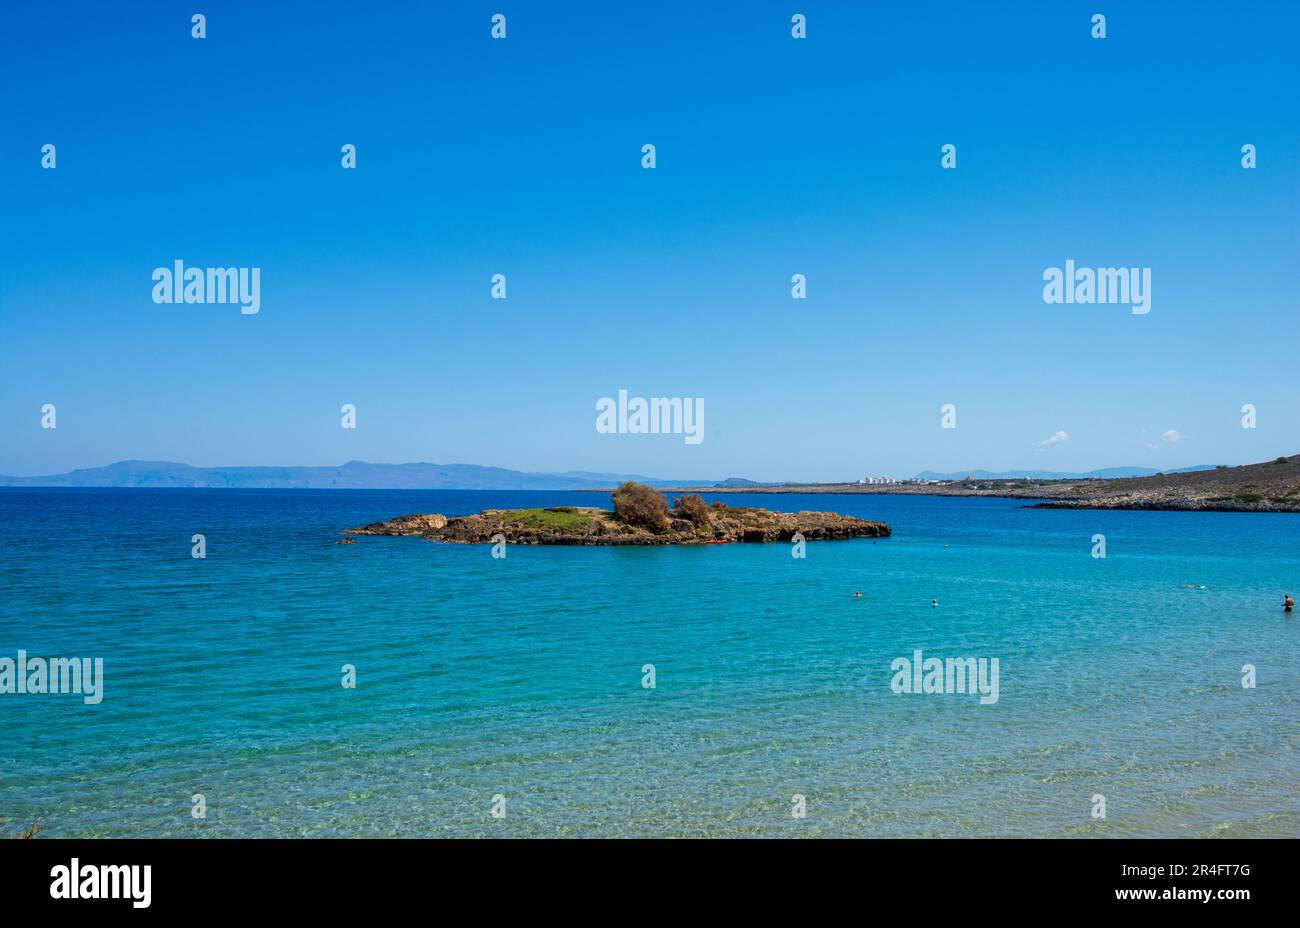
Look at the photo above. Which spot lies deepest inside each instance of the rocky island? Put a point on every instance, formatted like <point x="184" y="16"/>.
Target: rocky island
<point x="640" y="517"/>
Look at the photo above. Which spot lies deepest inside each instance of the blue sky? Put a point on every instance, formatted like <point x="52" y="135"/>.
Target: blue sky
<point x="775" y="157"/>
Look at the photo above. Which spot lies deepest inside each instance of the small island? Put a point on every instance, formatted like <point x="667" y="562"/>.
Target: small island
<point x="640" y="517"/>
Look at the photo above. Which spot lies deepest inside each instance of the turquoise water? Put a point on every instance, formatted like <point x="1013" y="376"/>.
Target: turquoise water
<point x="522" y="676"/>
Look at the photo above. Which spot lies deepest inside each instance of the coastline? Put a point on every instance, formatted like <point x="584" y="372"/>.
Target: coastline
<point x="1164" y="506"/>
<point x="1271" y="486"/>
<point x="1032" y="500"/>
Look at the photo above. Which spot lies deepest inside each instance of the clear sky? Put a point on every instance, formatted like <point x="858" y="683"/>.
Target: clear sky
<point x="775" y="156"/>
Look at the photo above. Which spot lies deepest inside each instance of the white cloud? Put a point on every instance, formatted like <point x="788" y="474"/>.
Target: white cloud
<point x="1171" y="435"/>
<point x="1055" y="438"/>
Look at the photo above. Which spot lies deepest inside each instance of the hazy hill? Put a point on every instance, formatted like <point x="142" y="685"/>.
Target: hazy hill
<point x="352" y="475"/>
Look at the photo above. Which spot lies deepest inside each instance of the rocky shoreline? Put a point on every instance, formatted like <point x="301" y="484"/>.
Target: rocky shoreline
<point x="1270" y="486"/>
<point x="1166" y="505"/>
<point x="692" y="523"/>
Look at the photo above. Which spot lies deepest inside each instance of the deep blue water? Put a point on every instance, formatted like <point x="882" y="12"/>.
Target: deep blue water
<point x="522" y="676"/>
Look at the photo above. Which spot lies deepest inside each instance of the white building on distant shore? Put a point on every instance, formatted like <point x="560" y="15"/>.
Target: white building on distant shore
<point x="875" y="481"/>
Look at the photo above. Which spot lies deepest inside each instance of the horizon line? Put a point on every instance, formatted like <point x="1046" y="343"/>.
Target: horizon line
<point x="580" y="472"/>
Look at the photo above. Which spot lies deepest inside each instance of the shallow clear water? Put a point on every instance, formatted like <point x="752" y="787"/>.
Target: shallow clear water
<point x="522" y="676"/>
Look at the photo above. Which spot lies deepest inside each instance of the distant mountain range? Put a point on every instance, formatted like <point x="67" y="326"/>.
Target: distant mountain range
<point x="361" y="475"/>
<point x="1103" y="474"/>
<point x="355" y="475"/>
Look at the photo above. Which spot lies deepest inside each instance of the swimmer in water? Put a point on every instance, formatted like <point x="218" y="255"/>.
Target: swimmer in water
<point x="934" y="602"/>
<point x="857" y="594"/>
<point x="1288" y="604"/>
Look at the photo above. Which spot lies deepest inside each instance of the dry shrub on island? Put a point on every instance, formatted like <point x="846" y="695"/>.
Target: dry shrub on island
<point x="693" y="509"/>
<point x="636" y="504"/>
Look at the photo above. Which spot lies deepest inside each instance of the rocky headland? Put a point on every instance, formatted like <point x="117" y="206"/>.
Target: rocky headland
<point x="640" y="517"/>
<point x="1271" y="486"/>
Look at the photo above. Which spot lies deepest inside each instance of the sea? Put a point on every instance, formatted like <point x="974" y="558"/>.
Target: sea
<point x="285" y="685"/>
